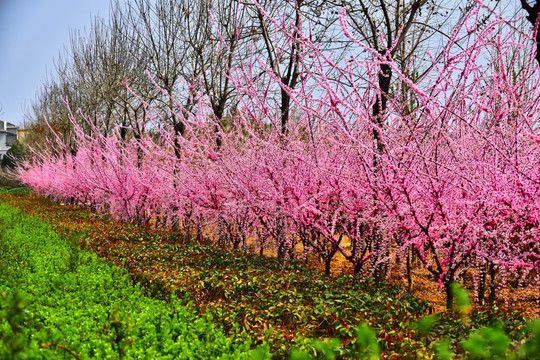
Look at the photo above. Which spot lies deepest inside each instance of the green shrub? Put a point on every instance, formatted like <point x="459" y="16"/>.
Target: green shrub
<point x="482" y="344"/>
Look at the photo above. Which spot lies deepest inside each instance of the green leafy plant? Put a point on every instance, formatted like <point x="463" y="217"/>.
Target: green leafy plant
<point x="13" y="317"/>
<point x="75" y="305"/>
<point x="489" y="342"/>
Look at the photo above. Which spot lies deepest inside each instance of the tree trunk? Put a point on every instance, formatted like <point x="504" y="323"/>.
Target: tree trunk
<point x="409" y="275"/>
<point x="327" y="269"/>
<point x="482" y="285"/>
<point x="449" y="295"/>
<point x="493" y="286"/>
<point x="380" y="106"/>
<point x="285" y="106"/>
<point x="222" y="233"/>
<point x="533" y="19"/>
<point x="179" y="129"/>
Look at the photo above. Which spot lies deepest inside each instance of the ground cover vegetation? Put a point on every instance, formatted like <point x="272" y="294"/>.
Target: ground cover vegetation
<point x="285" y="307"/>
<point x="58" y="302"/>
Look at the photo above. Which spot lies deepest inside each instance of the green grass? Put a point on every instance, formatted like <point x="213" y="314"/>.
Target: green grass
<point x="22" y="190"/>
<point x="57" y="301"/>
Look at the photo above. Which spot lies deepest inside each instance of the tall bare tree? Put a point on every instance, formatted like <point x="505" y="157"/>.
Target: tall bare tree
<point x="283" y="55"/>
<point x="220" y="44"/>
<point x="533" y="9"/>
<point x="159" y="29"/>
<point x="101" y="62"/>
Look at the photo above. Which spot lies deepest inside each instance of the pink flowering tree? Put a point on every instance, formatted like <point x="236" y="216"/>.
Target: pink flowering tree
<point x="431" y="178"/>
<point x="447" y="173"/>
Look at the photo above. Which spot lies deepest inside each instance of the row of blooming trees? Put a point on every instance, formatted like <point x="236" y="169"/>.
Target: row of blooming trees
<point x="446" y="171"/>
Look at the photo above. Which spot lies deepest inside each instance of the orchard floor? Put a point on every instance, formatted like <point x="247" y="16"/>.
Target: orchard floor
<point x="269" y="299"/>
<point x="525" y="299"/>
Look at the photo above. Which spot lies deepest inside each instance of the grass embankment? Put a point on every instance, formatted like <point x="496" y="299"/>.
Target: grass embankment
<point x="283" y="305"/>
<point x="57" y="302"/>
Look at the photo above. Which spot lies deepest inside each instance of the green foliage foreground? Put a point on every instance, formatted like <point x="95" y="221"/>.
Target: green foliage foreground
<point x="486" y="343"/>
<point x="63" y="299"/>
<point x="57" y="302"/>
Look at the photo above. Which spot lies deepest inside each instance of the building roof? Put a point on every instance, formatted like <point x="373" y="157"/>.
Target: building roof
<point x="5" y="126"/>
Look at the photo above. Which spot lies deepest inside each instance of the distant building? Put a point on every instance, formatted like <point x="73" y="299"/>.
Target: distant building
<point x="8" y="136"/>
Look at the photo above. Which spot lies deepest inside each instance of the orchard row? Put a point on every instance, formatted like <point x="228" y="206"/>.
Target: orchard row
<point x="440" y="166"/>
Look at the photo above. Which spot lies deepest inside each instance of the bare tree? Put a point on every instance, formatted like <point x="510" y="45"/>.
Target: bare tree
<point x="223" y="44"/>
<point x="101" y="62"/>
<point x="48" y="118"/>
<point x="532" y="15"/>
<point x="160" y="29"/>
<point x="190" y="46"/>
<point x="89" y="76"/>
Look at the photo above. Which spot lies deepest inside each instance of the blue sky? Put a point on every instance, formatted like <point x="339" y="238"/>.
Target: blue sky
<point x="32" y="32"/>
